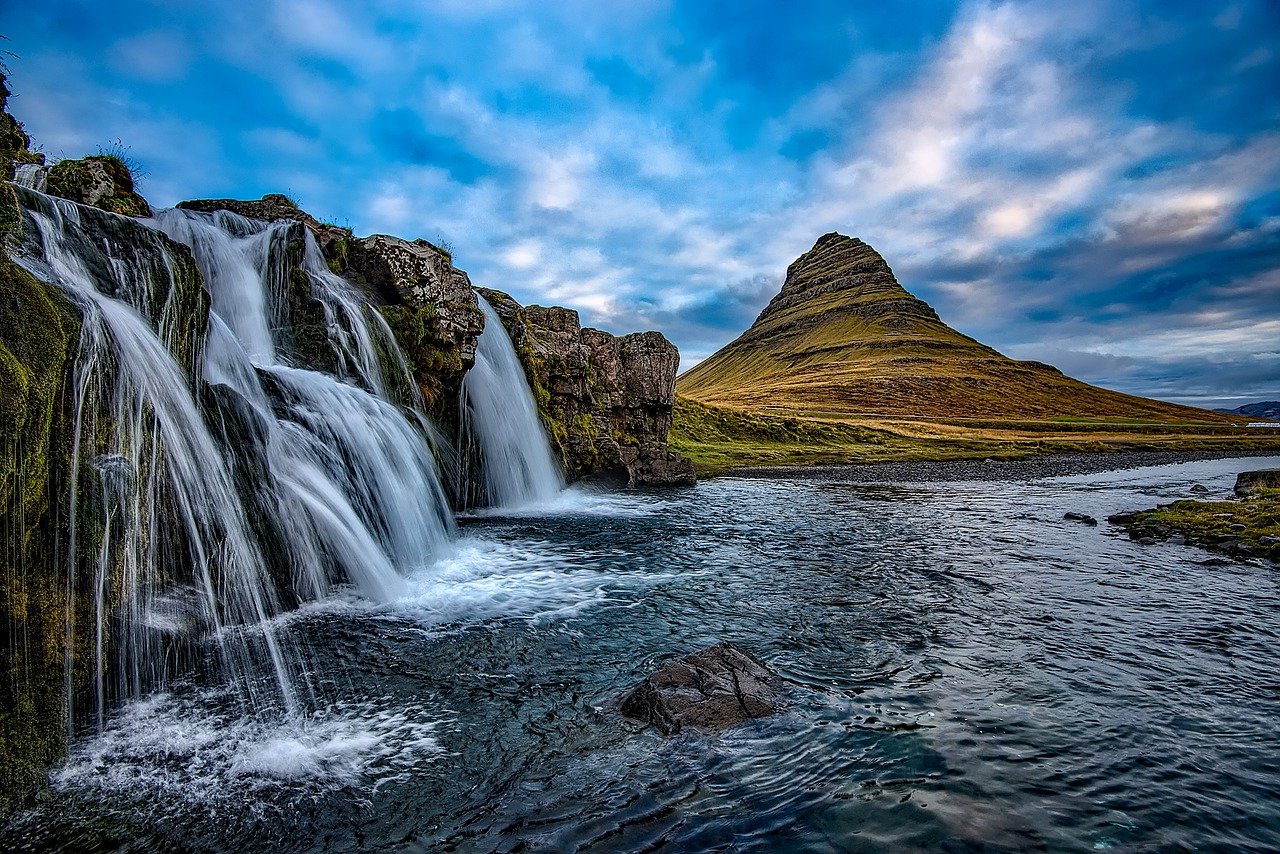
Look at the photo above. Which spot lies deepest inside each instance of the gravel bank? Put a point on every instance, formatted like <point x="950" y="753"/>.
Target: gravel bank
<point x="1030" y="468"/>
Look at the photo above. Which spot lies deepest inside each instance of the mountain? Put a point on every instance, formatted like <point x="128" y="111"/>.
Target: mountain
<point x="1265" y="409"/>
<point x="844" y="338"/>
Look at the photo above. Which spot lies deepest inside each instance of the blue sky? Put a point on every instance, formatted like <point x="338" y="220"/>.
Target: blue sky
<point x="1094" y="185"/>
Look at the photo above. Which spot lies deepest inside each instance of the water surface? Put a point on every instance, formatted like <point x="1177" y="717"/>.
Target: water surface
<point x="966" y="670"/>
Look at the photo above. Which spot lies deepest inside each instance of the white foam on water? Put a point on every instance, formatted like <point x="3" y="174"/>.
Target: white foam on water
<point x="178" y="747"/>
<point x="579" y="501"/>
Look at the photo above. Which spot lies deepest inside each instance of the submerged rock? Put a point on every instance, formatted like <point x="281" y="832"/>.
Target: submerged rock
<point x="1083" y="518"/>
<point x="713" y="689"/>
<point x="1199" y="488"/>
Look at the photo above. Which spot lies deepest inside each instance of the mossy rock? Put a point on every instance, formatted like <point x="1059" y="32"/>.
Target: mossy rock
<point x="100" y="180"/>
<point x="38" y="334"/>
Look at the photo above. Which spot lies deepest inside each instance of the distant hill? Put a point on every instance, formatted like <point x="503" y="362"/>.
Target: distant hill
<point x="843" y="338"/>
<point x="1265" y="409"/>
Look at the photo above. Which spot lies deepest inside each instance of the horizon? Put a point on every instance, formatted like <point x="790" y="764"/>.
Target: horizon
<point x="1097" y="189"/>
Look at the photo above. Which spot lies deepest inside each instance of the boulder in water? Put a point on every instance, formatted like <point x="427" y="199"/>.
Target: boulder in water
<point x="713" y="689"/>
<point x="1199" y="488"/>
<point x="1083" y="518"/>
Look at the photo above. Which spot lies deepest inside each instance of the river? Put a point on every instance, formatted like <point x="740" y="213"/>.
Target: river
<point x="965" y="670"/>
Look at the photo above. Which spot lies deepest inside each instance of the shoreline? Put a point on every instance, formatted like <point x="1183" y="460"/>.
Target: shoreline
<point x="1025" y="468"/>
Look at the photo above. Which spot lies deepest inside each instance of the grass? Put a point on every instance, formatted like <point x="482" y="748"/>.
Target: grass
<point x="1249" y="527"/>
<point x="718" y="438"/>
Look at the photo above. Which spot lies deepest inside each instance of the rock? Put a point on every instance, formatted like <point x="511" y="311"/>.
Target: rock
<point x="272" y="207"/>
<point x="607" y="400"/>
<point x="1199" y="488"/>
<point x="1081" y="517"/>
<point x="1237" y="526"/>
<point x="713" y="689"/>
<point x="101" y="181"/>
<point x="421" y="275"/>
<point x="1249" y="482"/>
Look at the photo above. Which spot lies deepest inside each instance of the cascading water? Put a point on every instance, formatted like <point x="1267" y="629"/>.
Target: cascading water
<point x="234" y="481"/>
<point x="519" y="469"/>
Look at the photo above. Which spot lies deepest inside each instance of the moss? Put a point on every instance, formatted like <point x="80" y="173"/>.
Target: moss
<point x="38" y="331"/>
<point x="1244" y="528"/>
<point x="436" y="362"/>
<point x="82" y="181"/>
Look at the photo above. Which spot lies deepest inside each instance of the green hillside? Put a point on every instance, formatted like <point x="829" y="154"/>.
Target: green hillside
<point x="844" y="339"/>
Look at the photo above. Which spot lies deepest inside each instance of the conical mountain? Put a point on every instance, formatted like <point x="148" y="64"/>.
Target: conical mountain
<point x="843" y="338"/>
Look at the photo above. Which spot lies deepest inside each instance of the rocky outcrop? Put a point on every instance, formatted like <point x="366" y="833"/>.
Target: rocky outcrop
<point x="1251" y="482"/>
<point x="429" y="304"/>
<point x="272" y="207"/>
<point x="713" y="689"/>
<point x="606" y="400"/>
<point x="101" y="181"/>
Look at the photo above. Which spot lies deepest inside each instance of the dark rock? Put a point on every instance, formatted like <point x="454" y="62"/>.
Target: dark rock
<point x="1249" y="482"/>
<point x="607" y="400"/>
<point x="1199" y="488"/>
<point x="272" y="207"/>
<point x="713" y="689"/>
<point x="1081" y="517"/>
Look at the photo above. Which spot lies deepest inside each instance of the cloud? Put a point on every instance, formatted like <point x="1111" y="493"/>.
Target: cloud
<point x="1096" y="185"/>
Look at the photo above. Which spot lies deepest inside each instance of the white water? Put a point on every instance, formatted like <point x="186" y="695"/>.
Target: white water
<point x="519" y="469"/>
<point x="341" y="485"/>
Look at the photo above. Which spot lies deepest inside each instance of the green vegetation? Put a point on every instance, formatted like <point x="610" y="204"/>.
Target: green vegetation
<point x="719" y="438"/>
<point x="101" y="180"/>
<point x="1243" y="528"/>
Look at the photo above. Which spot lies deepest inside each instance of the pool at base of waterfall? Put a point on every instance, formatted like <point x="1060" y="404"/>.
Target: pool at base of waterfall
<point x="963" y="668"/>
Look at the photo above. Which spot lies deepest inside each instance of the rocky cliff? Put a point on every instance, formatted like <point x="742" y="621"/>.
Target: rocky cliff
<point x="606" y="400"/>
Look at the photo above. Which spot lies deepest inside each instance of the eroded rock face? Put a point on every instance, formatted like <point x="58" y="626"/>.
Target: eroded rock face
<point x="1249" y="482"/>
<point x="421" y="275"/>
<point x="713" y="689"/>
<point x="607" y="400"/>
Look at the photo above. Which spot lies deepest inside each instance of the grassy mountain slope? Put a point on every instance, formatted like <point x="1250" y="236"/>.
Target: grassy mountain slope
<point x="843" y="339"/>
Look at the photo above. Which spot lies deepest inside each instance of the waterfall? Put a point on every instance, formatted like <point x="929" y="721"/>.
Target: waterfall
<point x="234" y="479"/>
<point x="518" y="466"/>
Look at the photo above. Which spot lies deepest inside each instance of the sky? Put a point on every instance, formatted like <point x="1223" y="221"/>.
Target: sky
<point x="1091" y="184"/>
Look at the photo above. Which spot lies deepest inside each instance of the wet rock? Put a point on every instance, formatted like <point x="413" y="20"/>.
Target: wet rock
<point x="1199" y="488"/>
<point x="1249" y="482"/>
<point x="1083" y="518"/>
<point x="272" y="207"/>
<point x="713" y="689"/>
<point x="607" y="400"/>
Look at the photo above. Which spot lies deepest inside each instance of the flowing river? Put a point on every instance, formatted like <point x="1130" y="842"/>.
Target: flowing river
<point x="965" y="670"/>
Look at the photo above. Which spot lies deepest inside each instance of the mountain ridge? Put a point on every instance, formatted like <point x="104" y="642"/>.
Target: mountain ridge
<point x="844" y="338"/>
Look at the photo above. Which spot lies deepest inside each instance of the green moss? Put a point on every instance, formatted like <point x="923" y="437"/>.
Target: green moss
<point x="436" y="362"/>
<point x="76" y="180"/>
<point x="38" y="333"/>
<point x="1244" y="527"/>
